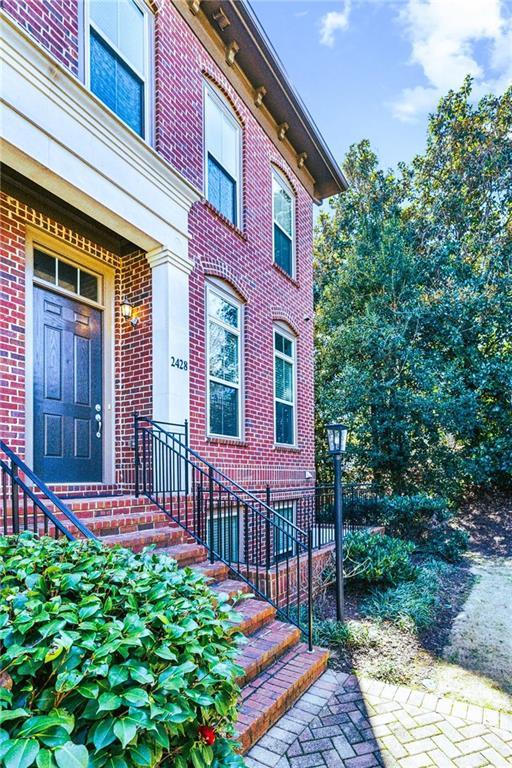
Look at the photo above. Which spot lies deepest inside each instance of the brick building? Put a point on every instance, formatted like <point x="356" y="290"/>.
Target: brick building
<point x="159" y="174"/>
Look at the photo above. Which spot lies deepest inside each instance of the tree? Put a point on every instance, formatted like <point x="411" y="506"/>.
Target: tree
<point x="413" y="297"/>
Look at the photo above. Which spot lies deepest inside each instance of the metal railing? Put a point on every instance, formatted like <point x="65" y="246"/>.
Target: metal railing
<point x="29" y="505"/>
<point x="261" y="546"/>
<point x="312" y="507"/>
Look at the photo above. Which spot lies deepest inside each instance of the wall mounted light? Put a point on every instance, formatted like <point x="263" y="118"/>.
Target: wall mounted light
<point x="127" y="312"/>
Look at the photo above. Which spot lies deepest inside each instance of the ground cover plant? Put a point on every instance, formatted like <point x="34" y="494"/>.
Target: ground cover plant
<point x="111" y="659"/>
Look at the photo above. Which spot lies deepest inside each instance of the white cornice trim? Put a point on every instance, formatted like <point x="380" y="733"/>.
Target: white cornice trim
<point x="165" y="256"/>
<point x="19" y="51"/>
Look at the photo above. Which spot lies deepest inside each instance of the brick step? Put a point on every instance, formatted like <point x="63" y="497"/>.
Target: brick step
<point x="94" y="504"/>
<point x="266" y="698"/>
<point x="127" y="522"/>
<point x="264" y="647"/>
<point x="253" y="615"/>
<point x="162" y="537"/>
<point x="230" y="587"/>
<point x="185" y="554"/>
<point x="217" y="571"/>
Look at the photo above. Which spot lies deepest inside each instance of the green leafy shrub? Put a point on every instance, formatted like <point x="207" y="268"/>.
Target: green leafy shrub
<point x="410" y="605"/>
<point x="351" y="635"/>
<point x="111" y="658"/>
<point x="447" y="542"/>
<point x="412" y="517"/>
<point x="377" y="558"/>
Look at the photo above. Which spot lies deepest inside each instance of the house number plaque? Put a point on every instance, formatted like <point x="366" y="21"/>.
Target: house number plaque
<point x="179" y="362"/>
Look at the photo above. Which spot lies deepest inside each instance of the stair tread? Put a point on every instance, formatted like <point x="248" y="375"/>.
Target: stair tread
<point x="149" y="533"/>
<point x="253" y="614"/>
<point x="265" y="646"/>
<point x="217" y="571"/>
<point x="231" y="587"/>
<point x="128" y="516"/>
<point x="266" y="698"/>
<point x="184" y="552"/>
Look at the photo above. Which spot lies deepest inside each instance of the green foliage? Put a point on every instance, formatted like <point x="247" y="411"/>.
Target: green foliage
<point x="115" y="659"/>
<point x="447" y="542"/>
<point x="351" y="635"/>
<point x="414" y="306"/>
<point x="378" y="559"/>
<point x="410" y="605"/>
<point x="412" y="517"/>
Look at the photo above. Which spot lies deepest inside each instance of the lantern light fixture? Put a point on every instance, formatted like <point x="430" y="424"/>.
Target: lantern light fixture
<point x="127" y="312"/>
<point x="337" y="438"/>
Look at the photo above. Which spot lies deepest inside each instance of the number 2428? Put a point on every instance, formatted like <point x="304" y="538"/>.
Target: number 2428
<point x="178" y="362"/>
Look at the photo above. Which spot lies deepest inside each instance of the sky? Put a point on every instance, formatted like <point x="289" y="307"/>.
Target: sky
<point x="376" y="68"/>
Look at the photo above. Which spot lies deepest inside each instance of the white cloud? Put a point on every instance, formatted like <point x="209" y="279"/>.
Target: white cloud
<point x="443" y="36"/>
<point x="332" y="22"/>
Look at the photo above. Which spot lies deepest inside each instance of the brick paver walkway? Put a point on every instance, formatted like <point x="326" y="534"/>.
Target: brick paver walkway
<point x="345" y="722"/>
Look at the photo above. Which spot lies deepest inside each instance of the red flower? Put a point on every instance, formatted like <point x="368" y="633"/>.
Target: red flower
<point x="207" y="733"/>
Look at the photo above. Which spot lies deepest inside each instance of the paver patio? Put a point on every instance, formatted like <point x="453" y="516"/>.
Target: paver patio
<point x="350" y="722"/>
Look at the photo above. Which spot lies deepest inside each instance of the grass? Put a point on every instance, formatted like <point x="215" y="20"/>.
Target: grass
<point x="410" y="605"/>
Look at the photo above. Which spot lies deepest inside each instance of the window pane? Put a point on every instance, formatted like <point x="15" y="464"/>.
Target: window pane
<point x="88" y="286"/>
<point x="284" y="533"/>
<point x="116" y="85"/>
<point x="223" y="353"/>
<point x="213" y="127"/>
<point x="223" y="410"/>
<point x="104" y="14"/>
<point x="221" y="190"/>
<point x="222" y="309"/>
<point x="225" y="535"/>
<point x="284" y="423"/>
<point x="284" y="345"/>
<point x="284" y="380"/>
<point x="230" y="146"/>
<point x="103" y="72"/>
<point x="130" y="98"/>
<point x="131" y="33"/>
<point x="68" y="277"/>
<point x="283" y="209"/>
<point x="44" y="266"/>
<point x="282" y="250"/>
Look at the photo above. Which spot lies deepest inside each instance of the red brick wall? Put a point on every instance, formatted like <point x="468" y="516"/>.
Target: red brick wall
<point x="244" y="257"/>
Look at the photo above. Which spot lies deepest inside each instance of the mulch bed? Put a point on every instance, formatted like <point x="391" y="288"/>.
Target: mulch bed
<point x="488" y="520"/>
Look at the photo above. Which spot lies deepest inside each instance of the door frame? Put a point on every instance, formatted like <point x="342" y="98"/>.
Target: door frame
<point x="35" y="238"/>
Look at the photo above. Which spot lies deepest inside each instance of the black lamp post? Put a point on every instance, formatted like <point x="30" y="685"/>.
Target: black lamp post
<point x="337" y="440"/>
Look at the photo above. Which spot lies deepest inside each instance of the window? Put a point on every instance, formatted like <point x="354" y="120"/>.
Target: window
<point x="284" y="223"/>
<point x="226" y="535"/>
<point x="284" y="388"/>
<point x="118" y="58"/>
<point x="224" y="363"/>
<point x="284" y="533"/>
<point x="67" y="276"/>
<point x="222" y="136"/>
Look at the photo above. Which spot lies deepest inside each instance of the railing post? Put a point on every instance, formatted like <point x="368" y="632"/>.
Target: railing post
<point x="136" y="448"/>
<point x="310" y="590"/>
<point x="210" y="506"/>
<point x="187" y="488"/>
<point x="15" y="499"/>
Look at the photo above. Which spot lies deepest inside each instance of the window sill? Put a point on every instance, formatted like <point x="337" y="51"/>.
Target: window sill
<point x="283" y="447"/>
<point x="285" y="274"/>
<point x="219" y="440"/>
<point x="220" y="217"/>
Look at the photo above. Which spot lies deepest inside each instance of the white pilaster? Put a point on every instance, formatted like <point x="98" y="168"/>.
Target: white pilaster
<point x="171" y="346"/>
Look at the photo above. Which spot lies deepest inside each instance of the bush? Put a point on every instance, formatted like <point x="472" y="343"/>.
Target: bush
<point x="111" y="658"/>
<point x="410" y="605"/>
<point x="351" y="635"/>
<point x="378" y="559"/>
<point x="447" y="542"/>
<point x="412" y="517"/>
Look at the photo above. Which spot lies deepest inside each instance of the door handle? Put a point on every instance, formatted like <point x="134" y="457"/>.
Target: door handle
<point x="99" y="424"/>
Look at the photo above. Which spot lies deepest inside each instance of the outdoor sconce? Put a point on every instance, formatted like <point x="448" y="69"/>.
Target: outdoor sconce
<point x="127" y="312"/>
<point x="337" y="438"/>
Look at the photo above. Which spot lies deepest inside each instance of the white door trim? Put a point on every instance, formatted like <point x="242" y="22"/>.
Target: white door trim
<point x="35" y="237"/>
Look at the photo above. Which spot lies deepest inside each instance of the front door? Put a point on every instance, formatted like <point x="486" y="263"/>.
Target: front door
<point x="68" y="407"/>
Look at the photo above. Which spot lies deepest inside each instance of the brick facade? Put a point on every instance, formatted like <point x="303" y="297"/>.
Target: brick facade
<point x="242" y="257"/>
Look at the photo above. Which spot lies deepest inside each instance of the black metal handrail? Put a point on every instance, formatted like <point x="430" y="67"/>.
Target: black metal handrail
<point x="262" y="547"/>
<point x="33" y="508"/>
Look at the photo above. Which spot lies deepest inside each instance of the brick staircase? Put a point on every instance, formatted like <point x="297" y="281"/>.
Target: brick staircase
<point x="277" y="666"/>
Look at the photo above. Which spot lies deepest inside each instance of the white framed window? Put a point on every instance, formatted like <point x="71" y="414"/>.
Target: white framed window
<point x="222" y="156"/>
<point x="67" y="277"/>
<point x="284" y="387"/>
<point x="284" y="541"/>
<point x="118" y="51"/>
<point x="283" y="218"/>
<point x="224" y="362"/>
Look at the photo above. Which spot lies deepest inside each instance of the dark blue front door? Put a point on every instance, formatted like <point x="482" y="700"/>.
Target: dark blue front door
<point x="68" y="407"/>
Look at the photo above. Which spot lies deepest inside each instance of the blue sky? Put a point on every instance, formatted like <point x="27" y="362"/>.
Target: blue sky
<point x="375" y="68"/>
